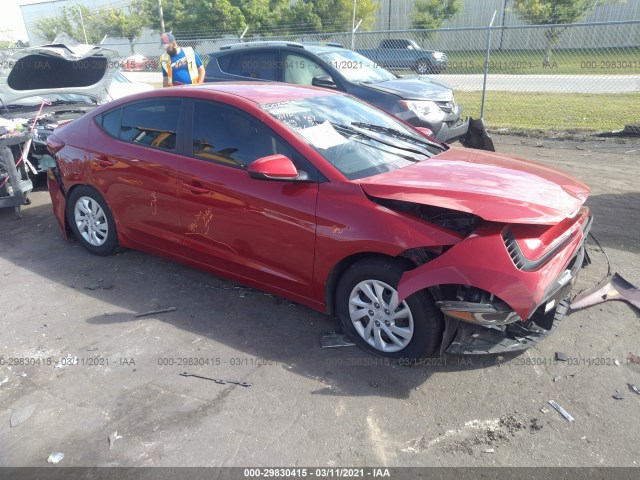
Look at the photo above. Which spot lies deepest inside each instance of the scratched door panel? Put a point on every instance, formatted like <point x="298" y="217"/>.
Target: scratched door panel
<point x="138" y="175"/>
<point x="259" y="230"/>
<point x="254" y="229"/>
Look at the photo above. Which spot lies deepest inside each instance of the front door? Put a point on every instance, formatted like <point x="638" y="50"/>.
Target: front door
<point x="261" y="231"/>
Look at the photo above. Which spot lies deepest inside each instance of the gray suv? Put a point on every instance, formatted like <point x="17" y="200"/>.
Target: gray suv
<point x="419" y="100"/>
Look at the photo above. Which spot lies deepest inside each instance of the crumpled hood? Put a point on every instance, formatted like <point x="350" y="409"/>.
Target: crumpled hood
<point x="495" y="187"/>
<point x="56" y="69"/>
<point x="415" y="87"/>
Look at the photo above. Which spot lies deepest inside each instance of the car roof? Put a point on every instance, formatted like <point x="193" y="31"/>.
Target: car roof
<point x="268" y="45"/>
<point x="259" y="92"/>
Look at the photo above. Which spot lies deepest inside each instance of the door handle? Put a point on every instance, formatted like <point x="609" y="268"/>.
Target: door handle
<point x="197" y="189"/>
<point x="104" y="161"/>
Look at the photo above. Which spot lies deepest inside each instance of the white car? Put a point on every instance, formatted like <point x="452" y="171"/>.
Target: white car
<point x="121" y="86"/>
<point x="69" y="80"/>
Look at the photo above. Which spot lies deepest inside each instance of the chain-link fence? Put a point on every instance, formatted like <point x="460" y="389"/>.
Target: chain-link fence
<point x="539" y="66"/>
<point x="543" y="68"/>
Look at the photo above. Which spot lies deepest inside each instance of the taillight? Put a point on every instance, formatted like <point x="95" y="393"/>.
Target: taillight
<point x="54" y="144"/>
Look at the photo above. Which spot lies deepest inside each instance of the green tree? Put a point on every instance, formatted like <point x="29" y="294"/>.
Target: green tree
<point x="555" y="12"/>
<point x="191" y="17"/>
<point x="298" y="17"/>
<point x="76" y="21"/>
<point x="430" y="14"/>
<point x="279" y="17"/>
<point x="49" y="28"/>
<point x="120" y="24"/>
<point x="337" y="15"/>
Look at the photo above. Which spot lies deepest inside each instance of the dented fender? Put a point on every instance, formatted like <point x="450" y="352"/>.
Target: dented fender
<point x="482" y="261"/>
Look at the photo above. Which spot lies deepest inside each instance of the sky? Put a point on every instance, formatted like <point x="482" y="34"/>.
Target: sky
<point x="11" y="24"/>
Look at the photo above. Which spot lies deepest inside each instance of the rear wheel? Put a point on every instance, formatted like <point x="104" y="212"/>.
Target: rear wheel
<point x="368" y="307"/>
<point x="91" y="221"/>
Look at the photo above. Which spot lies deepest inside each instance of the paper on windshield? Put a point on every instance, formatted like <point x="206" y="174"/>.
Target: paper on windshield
<point x="323" y="135"/>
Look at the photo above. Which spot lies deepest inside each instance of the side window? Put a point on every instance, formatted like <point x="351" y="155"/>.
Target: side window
<point x="262" y="65"/>
<point x="301" y="70"/>
<point x="151" y="123"/>
<point x="227" y="136"/>
<point x="110" y="122"/>
<point x="224" y="62"/>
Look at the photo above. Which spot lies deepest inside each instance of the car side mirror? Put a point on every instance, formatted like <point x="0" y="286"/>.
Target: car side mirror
<point x="274" y="167"/>
<point x="425" y="131"/>
<point x="323" y="81"/>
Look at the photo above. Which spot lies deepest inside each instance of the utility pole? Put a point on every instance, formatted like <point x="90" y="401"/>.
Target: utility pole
<point x="353" y="24"/>
<point x="161" y="16"/>
<point x="82" y="23"/>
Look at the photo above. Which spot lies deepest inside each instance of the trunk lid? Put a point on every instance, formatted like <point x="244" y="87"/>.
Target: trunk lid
<point x="53" y="70"/>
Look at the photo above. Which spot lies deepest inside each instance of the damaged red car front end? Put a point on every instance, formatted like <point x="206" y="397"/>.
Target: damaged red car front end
<point x="504" y="286"/>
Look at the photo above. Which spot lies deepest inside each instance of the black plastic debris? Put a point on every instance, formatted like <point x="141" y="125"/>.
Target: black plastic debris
<point x="153" y="312"/>
<point x="618" y="396"/>
<point x="215" y="380"/>
<point x="631" y="130"/>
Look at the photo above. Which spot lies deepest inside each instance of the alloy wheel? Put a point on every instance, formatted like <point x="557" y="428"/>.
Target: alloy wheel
<point x="378" y="317"/>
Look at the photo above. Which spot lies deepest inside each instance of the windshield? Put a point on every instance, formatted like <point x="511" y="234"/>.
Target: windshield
<point x="357" y="139"/>
<point x="119" y="78"/>
<point x="355" y="67"/>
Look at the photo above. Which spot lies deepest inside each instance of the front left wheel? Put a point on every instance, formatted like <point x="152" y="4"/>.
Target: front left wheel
<point x="91" y="221"/>
<point x="368" y="308"/>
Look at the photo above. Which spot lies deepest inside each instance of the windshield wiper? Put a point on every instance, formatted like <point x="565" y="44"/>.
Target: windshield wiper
<point x="350" y="129"/>
<point x="396" y="133"/>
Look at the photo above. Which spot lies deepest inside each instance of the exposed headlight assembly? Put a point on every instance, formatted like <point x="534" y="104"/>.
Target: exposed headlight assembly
<point x="422" y="108"/>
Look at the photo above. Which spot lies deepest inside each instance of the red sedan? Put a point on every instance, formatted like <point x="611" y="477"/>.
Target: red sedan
<point x="318" y="197"/>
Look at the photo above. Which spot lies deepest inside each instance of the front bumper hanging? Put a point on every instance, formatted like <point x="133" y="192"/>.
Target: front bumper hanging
<point x="482" y="337"/>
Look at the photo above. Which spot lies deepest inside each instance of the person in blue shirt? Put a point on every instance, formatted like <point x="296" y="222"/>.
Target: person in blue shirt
<point x="180" y="65"/>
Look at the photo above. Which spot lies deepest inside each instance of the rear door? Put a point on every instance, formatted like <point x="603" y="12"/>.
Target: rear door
<point x="262" y="231"/>
<point x="133" y="154"/>
<point x="256" y="64"/>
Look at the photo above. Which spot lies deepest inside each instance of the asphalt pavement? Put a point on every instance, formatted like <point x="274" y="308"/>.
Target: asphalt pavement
<point x="79" y="364"/>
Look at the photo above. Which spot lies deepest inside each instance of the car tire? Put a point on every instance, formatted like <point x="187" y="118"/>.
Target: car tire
<point x="424" y="67"/>
<point x="364" y="304"/>
<point x="91" y="221"/>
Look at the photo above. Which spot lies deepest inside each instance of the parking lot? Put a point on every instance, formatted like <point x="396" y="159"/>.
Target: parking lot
<point x="77" y="358"/>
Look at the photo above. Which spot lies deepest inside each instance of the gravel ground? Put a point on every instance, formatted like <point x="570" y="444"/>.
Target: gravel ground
<point x="91" y="368"/>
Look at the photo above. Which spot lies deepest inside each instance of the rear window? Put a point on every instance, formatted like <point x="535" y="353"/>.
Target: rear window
<point x="153" y="123"/>
<point x="110" y="121"/>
